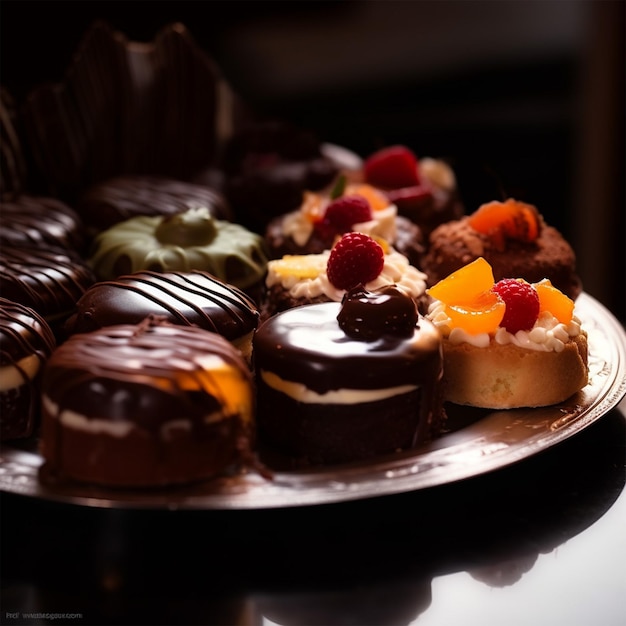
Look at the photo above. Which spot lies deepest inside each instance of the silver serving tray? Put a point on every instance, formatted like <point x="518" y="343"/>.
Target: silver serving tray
<point x="481" y="442"/>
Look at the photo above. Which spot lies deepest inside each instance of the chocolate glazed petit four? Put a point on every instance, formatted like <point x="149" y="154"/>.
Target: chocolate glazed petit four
<point x="187" y="298"/>
<point x="26" y="343"/>
<point x="347" y="382"/>
<point x="150" y="404"/>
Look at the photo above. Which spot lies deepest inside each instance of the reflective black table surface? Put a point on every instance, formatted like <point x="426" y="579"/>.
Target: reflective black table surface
<point x="540" y="542"/>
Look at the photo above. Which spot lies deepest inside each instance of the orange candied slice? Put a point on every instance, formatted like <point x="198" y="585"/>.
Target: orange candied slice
<point x="300" y="266"/>
<point x="555" y="301"/>
<point x="482" y="315"/>
<point x="376" y="198"/>
<point x="464" y="285"/>
<point x="509" y="219"/>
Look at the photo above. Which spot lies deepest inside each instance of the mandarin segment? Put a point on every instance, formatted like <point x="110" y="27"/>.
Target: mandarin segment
<point x="464" y="285"/>
<point x="300" y="266"/>
<point x="481" y="315"/>
<point x="554" y="301"/>
<point x="378" y="200"/>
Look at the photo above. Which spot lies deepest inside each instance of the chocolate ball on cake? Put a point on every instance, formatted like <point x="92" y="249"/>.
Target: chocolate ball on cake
<point x="26" y="343"/>
<point x="38" y="222"/>
<point x="48" y="280"/>
<point x="513" y="238"/>
<point x="192" y="298"/>
<point x="343" y="382"/>
<point x="146" y="405"/>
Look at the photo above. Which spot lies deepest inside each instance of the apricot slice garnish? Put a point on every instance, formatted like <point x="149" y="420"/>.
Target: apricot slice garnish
<point x="465" y="284"/>
<point x="555" y="301"/>
<point x="312" y="206"/>
<point x="482" y="315"/>
<point x="509" y="219"/>
<point x="299" y="266"/>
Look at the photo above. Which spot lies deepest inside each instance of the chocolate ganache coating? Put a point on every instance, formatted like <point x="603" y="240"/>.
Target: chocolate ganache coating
<point x="147" y="374"/>
<point x="124" y="197"/>
<point x="32" y="222"/>
<point x="50" y="281"/>
<point x="307" y="345"/>
<point x="192" y="298"/>
<point x="26" y="343"/>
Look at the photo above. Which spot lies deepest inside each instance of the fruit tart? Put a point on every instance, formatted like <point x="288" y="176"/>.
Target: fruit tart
<point x="507" y="343"/>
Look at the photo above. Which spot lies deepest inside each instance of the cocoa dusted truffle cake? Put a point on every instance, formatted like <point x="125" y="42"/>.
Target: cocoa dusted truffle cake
<point x="188" y="298"/>
<point x="146" y="405"/>
<point x="342" y="382"/>
<point x="26" y="343"/>
<point x="191" y="240"/>
<point x="507" y="343"/>
<point x="513" y="238"/>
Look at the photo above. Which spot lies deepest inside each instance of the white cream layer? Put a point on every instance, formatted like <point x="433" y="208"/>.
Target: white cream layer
<point x="14" y="376"/>
<point x="96" y="426"/>
<point x="301" y="393"/>
<point x="396" y="270"/>
<point x="547" y="335"/>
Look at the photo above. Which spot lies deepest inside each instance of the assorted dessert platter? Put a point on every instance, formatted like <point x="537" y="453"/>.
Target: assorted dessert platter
<point x="231" y="314"/>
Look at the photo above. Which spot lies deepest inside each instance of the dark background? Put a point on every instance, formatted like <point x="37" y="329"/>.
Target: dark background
<point x="525" y="98"/>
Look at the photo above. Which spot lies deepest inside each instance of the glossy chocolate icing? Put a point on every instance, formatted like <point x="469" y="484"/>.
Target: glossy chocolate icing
<point x="118" y="199"/>
<point x="32" y="222"/>
<point x="147" y="374"/>
<point x="50" y="281"/>
<point x="307" y="345"/>
<point x="186" y="298"/>
<point x="23" y="333"/>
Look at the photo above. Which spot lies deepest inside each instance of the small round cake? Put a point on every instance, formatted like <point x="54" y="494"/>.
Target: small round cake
<point x="325" y="216"/>
<point x="145" y="405"/>
<point x="342" y="382"/>
<point x="26" y="343"/>
<point x="269" y="165"/>
<point x="48" y="280"/>
<point x="188" y="298"/>
<point x="424" y="190"/>
<point x="122" y="198"/>
<point x="39" y="222"/>
<point x="295" y="280"/>
<point x="507" y="344"/>
<point x="192" y="240"/>
<point x="513" y="238"/>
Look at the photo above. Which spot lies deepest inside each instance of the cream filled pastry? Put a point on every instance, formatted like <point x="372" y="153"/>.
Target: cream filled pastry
<point x="325" y="216"/>
<point x="507" y="344"/>
<point x="304" y="279"/>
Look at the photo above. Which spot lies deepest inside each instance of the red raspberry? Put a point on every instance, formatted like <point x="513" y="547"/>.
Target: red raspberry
<point x="355" y="259"/>
<point x="522" y="304"/>
<point x="392" y="168"/>
<point x="346" y="211"/>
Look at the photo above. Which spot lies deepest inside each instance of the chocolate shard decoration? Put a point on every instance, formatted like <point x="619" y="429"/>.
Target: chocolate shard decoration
<point x="125" y="107"/>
